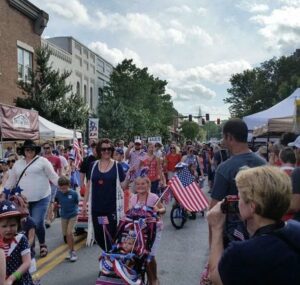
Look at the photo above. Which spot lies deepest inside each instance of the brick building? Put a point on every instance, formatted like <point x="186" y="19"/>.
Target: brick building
<point x="21" y="26"/>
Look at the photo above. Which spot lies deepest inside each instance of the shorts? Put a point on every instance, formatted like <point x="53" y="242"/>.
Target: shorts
<point x="67" y="225"/>
<point x="53" y="193"/>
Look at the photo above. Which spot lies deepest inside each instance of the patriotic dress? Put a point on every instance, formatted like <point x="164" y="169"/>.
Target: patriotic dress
<point x="150" y="202"/>
<point x="14" y="251"/>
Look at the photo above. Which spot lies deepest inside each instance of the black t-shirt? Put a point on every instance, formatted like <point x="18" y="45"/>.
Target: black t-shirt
<point x="104" y="189"/>
<point x="86" y="165"/>
<point x="296" y="187"/>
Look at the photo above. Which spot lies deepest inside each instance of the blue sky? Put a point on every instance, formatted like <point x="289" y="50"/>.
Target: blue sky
<point x="194" y="44"/>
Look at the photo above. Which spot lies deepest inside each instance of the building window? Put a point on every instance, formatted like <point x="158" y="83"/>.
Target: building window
<point x="100" y="95"/>
<point x="24" y="65"/>
<point x="78" y="88"/>
<point x="84" y="94"/>
<point x="91" y="98"/>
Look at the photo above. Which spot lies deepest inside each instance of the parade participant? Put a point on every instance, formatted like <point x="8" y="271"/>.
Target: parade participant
<point x="153" y="163"/>
<point x="193" y="161"/>
<point x="134" y="156"/>
<point x="9" y="151"/>
<point x="144" y="197"/>
<point x="85" y="166"/>
<point x="56" y="163"/>
<point x="4" y="172"/>
<point x="104" y="193"/>
<point x="63" y="160"/>
<point x="121" y="144"/>
<point x="16" y="246"/>
<point x="274" y="154"/>
<point x="296" y="145"/>
<point x="73" y="173"/>
<point x="32" y="174"/>
<point x="68" y="200"/>
<point x="295" y="202"/>
<point x="171" y="160"/>
<point x="271" y="255"/>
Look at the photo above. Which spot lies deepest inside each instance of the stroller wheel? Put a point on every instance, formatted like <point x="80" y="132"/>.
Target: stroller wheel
<point x="178" y="217"/>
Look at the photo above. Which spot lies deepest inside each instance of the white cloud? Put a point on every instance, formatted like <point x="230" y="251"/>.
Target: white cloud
<point x="195" y="91"/>
<point x="253" y="7"/>
<point x="198" y="32"/>
<point x="72" y="10"/>
<point x="214" y="72"/>
<point x="281" y="28"/>
<point x="179" y="9"/>
<point x="115" y="55"/>
<point x="176" y="36"/>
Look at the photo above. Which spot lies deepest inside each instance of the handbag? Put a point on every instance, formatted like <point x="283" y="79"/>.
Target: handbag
<point x="119" y="197"/>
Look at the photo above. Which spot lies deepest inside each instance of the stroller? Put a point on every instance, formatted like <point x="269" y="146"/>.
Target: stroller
<point x="126" y="262"/>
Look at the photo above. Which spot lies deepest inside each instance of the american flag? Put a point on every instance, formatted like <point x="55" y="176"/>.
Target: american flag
<point x="77" y="151"/>
<point x="187" y="192"/>
<point x="103" y="220"/>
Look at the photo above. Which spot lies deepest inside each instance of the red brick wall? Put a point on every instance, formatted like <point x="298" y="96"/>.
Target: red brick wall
<point x="14" y="26"/>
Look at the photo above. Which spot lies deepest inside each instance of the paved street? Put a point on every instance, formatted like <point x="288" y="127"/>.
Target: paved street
<point x="180" y="259"/>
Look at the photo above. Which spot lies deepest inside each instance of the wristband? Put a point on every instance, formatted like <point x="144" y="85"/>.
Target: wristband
<point x="17" y="275"/>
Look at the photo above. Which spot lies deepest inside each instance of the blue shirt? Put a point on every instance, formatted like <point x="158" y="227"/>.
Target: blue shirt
<point x="224" y="183"/>
<point x="68" y="203"/>
<point x="263" y="260"/>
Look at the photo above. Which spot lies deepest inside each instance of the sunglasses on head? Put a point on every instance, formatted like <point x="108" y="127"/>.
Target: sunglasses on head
<point x="106" y="149"/>
<point x="11" y="160"/>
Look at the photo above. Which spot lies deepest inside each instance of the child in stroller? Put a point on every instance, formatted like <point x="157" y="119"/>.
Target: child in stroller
<point x="137" y="239"/>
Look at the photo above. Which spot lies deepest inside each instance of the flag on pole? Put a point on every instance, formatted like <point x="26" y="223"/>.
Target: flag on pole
<point x="187" y="192"/>
<point x="77" y="151"/>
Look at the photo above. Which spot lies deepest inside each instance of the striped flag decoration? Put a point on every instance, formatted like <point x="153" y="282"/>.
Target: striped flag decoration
<point x="187" y="192"/>
<point x="77" y="151"/>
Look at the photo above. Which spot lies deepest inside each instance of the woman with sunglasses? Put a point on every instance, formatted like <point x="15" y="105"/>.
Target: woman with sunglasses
<point x="32" y="173"/>
<point x="101" y="192"/>
<point x="171" y="159"/>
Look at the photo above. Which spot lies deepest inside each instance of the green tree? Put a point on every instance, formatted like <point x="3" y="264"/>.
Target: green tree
<point x="212" y="130"/>
<point x="134" y="103"/>
<point x="262" y="87"/>
<point x="190" y="130"/>
<point x="50" y="95"/>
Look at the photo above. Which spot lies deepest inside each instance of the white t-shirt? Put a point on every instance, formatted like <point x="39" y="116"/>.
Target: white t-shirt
<point x="35" y="180"/>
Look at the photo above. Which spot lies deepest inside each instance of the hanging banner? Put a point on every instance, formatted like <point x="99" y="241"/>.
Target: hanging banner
<point x="296" y="128"/>
<point x="155" y="140"/>
<point x="93" y="128"/>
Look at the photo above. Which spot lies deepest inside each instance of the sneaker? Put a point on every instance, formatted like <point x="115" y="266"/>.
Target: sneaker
<point x="69" y="255"/>
<point x="73" y="257"/>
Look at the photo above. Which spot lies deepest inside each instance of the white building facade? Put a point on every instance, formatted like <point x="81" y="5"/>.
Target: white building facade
<point x="89" y="71"/>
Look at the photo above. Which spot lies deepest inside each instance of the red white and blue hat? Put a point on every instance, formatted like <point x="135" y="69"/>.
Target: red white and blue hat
<point x="9" y="209"/>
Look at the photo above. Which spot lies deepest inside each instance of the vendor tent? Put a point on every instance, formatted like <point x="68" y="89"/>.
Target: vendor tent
<point x="18" y="124"/>
<point x="51" y="131"/>
<point x="283" y="109"/>
<point x="275" y="126"/>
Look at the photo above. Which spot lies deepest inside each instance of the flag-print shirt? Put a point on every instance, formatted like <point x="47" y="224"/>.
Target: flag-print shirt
<point x="14" y="251"/>
<point x="135" y="157"/>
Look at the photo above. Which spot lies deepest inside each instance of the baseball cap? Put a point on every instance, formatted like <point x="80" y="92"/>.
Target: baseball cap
<point x="137" y="141"/>
<point x="119" y="151"/>
<point x="295" y="143"/>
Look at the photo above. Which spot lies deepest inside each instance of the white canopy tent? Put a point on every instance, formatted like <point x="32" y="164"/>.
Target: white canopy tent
<point x="51" y="131"/>
<point x="283" y="109"/>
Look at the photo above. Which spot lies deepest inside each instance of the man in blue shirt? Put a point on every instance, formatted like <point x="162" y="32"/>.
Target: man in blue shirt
<point x="68" y="200"/>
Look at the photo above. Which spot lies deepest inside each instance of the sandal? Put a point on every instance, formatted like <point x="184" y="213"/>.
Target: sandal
<point x="43" y="250"/>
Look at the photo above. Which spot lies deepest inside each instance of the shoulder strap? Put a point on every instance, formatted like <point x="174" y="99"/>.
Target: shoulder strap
<point x="25" y="169"/>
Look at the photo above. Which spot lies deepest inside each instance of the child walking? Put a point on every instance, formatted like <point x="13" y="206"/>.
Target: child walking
<point x="16" y="247"/>
<point x="68" y="200"/>
<point x="144" y="197"/>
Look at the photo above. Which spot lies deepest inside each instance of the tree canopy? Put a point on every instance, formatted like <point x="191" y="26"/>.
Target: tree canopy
<point x="50" y="95"/>
<point x="134" y="103"/>
<point x="262" y="87"/>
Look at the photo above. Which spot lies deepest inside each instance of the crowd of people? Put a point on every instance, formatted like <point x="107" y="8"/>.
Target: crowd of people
<point x="114" y="178"/>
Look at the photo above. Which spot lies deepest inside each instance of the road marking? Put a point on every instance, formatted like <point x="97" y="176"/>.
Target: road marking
<point x="59" y="259"/>
<point x="56" y="252"/>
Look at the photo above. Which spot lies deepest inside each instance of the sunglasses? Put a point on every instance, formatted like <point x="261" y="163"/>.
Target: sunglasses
<point x="12" y="160"/>
<point x="29" y="149"/>
<point x="106" y="149"/>
<point x="46" y="147"/>
<point x="172" y="147"/>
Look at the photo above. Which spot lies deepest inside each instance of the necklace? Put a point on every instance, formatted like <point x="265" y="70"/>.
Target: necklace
<point x="101" y="181"/>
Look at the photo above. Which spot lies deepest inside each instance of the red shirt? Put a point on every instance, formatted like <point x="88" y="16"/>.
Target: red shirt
<point x="172" y="160"/>
<point x="55" y="161"/>
<point x="153" y="174"/>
